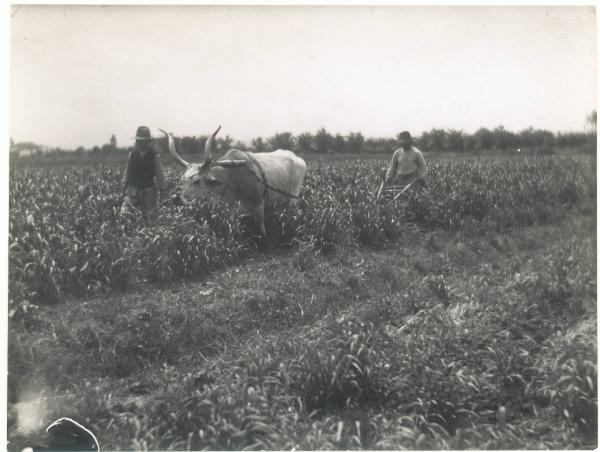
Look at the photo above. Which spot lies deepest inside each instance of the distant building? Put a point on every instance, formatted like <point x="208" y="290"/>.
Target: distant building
<point x="27" y="148"/>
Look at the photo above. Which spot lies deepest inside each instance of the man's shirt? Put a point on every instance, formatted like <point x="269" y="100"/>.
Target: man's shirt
<point x="405" y="164"/>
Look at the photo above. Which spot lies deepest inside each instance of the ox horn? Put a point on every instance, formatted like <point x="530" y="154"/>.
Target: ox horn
<point x="208" y="145"/>
<point x="173" y="151"/>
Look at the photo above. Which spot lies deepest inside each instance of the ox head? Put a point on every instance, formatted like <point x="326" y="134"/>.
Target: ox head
<point x="205" y="178"/>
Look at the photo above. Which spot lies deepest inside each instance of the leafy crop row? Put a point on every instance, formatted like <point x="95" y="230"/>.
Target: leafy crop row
<point x="66" y="237"/>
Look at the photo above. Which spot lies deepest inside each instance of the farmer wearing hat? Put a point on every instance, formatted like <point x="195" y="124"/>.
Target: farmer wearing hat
<point x="407" y="165"/>
<point x="144" y="178"/>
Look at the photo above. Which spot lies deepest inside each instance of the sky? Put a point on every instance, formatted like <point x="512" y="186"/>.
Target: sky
<point x="78" y="74"/>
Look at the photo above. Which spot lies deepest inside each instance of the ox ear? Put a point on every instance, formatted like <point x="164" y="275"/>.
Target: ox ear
<point x="231" y="163"/>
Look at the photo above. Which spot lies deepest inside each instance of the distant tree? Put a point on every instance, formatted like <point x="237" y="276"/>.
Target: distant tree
<point x="592" y="126"/>
<point x="339" y="143"/>
<point x="323" y="141"/>
<point x="526" y="138"/>
<point x="571" y="139"/>
<point x="545" y="137"/>
<point x="423" y="141"/>
<point x="305" y="142"/>
<point x="454" y="140"/>
<point x="503" y="139"/>
<point x="380" y="145"/>
<point x="591" y="121"/>
<point x="113" y="141"/>
<point x="437" y="139"/>
<point x="355" y="142"/>
<point x="470" y="142"/>
<point x="484" y="139"/>
<point x="390" y="144"/>
<point x="535" y="137"/>
<point x="190" y="145"/>
<point x="259" y="144"/>
<point x="240" y="145"/>
<point x="224" y="144"/>
<point x="12" y="143"/>
<point x="284" y="140"/>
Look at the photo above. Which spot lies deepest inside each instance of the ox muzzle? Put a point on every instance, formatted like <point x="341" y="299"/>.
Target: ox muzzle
<point x="176" y="198"/>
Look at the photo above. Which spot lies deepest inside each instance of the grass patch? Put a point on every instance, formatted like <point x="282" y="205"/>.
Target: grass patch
<point x="440" y="341"/>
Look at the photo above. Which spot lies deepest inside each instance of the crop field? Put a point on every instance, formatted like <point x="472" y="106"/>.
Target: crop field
<point x="462" y="315"/>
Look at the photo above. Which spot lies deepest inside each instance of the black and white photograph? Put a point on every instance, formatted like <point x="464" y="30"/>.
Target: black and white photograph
<point x="301" y="227"/>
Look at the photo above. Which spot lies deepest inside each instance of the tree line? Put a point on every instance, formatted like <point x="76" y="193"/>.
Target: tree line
<point x="323" y="142"/>
<point x="435" y="140"/>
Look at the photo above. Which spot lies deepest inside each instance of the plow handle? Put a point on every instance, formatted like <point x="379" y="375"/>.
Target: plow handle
<point x="379" y="192"/>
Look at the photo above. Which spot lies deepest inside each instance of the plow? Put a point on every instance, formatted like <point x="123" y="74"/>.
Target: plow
<point x="391" y="193"/>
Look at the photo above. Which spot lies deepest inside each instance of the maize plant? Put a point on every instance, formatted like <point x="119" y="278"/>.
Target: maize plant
<point x="66" y="237"/>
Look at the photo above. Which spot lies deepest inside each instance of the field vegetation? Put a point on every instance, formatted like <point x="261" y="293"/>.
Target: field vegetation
<point x="459" y="316"/>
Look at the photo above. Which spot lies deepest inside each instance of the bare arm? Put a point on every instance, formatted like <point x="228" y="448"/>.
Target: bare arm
<point x="422" y="165"/>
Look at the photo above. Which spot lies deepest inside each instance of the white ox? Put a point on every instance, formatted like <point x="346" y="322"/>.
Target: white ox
<point x="258" y="181"/>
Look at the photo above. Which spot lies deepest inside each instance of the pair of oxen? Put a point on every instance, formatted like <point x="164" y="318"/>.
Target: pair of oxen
<point x="258" y="181"/>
